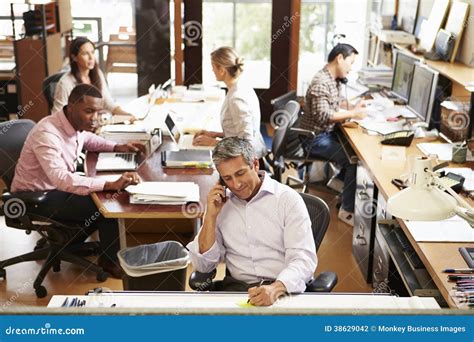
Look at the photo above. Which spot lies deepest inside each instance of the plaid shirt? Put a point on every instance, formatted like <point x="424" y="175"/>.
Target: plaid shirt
<point x="322" y="100"/>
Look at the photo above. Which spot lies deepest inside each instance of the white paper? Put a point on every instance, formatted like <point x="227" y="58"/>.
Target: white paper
<point x="443" y="151"/>
<point x="170" y="189"/>
<point x="467" y="173"/>
<point x="381" y="127"/>
<point x="393" y="153"/>
<point x="454" y="229"/>
<point x="124" y="129"/>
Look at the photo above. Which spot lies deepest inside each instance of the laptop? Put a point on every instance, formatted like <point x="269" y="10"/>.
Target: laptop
<point x="184" y="141"/>
<point x="127" y="161"/>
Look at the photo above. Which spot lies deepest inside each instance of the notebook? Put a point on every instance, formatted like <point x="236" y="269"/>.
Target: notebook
<point x="187" y="159"/>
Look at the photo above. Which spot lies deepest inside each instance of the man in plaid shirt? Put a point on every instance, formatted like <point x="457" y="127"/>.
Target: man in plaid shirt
<point x="322" y="112"/>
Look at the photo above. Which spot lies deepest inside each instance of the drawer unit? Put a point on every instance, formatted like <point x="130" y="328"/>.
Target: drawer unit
<point x="364" y="222"/>
<point x="380" y="273"/>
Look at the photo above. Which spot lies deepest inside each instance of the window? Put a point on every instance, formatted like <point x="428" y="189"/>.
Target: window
<point x="320" y="21"/>
<point x="244" y="25"/>
<point x="315" y="40"/>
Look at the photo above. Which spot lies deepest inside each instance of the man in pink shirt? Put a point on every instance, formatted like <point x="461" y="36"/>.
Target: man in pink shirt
<point x="48" y="163"/>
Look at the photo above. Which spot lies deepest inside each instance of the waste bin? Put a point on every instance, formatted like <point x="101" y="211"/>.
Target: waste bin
<point x="156" y="267"/>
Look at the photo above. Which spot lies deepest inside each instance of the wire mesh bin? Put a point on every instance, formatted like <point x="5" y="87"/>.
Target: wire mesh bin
<point x="155" y="267"/>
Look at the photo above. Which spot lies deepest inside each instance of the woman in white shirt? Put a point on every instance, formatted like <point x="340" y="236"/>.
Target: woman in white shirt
<point x="84" y="69"/>
<point x="240" y="113"/>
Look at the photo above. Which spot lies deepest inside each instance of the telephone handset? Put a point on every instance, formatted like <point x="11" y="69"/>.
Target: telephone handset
<point x="342" y="80"/>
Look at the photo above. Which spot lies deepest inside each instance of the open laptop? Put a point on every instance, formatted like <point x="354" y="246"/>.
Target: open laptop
<point x="184" y="141"/>
<point x="127" y="161"/>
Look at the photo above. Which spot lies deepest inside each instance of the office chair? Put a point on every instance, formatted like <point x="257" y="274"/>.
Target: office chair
<point x="280" y="102"/>
<point x="319" y="215"/>
<point x="287" y="148"/>
<point x="17" y="209"/>
<point x="49" y="87"/>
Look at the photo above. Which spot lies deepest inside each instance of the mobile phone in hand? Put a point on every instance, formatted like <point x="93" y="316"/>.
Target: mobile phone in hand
<point x="221" y="182"/>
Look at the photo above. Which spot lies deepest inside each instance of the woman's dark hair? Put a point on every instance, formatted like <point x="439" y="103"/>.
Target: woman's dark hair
<point x="341" y="49"/>
<point x="76" y="45"/>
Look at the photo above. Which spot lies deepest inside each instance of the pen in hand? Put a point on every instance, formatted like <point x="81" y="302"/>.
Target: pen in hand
<point x="261" y="283"/>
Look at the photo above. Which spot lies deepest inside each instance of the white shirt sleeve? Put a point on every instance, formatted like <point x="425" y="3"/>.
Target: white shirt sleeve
<point x="300" y="251"/>
<point x="109" y="103"/>
<point x="244" y="125"/>
<point x="61" y="94"/>
<point x="208" y="261"/>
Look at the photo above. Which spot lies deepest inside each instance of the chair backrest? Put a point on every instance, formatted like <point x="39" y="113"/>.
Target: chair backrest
<point x="285" y="142"/>
<point x="12" y="138"/>
<point x="49" y="87"/>
<point x="280" y="102"/>
<point x="319" y="214"/>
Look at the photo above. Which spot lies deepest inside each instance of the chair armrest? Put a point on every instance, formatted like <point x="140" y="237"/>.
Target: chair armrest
<point x="324" y="282"/>
<point x="28" y="197"/>
<point x="201" y="281"/>
<point x="304" y="132"/>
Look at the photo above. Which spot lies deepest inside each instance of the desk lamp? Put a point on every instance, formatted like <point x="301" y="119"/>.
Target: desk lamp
<point x="426" y="200"/>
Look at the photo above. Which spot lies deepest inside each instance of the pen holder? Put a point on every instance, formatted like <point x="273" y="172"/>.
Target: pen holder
<point x="459" y="153"/>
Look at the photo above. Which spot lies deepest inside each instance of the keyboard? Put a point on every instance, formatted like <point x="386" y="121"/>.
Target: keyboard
<point x="128" y="157"/>
<point x="112" y="161"/>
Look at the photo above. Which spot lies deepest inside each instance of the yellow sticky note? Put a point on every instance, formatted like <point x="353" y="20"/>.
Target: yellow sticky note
<point x="244" y="304"/>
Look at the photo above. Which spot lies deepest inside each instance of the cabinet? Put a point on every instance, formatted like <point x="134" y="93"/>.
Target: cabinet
<point x="364" y="222"/>
<point x="41" y="55"/>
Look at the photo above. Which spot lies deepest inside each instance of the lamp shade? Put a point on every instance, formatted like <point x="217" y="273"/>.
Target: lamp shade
<point x="421" y="204"/>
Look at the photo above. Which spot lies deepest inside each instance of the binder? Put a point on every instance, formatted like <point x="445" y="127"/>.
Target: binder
<point x="187" y="159"/>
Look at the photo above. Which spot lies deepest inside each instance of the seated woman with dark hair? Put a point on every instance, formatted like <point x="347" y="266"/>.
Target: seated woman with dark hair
<point x="84" y="69"/>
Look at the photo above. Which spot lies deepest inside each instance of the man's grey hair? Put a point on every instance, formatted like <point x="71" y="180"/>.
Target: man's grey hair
<point x="233" y="147"/>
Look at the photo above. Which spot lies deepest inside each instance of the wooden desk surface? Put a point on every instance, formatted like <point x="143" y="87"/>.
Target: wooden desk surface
<point x="116" y="204"/>
<point x="435" y="255"/>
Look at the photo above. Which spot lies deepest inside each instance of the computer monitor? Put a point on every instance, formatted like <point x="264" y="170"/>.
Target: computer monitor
<point x="422" y="92"/>
<point x="403" y="74"/>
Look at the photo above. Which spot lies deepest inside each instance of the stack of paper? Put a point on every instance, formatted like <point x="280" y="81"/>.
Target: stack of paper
<point x="467" y="173"/>
<point x="125" y="132"/>
<point x="454" y="229"/>
<point x="443" y="151"/>
<point x="169" y="193"/>
<point x="380" y="75"/>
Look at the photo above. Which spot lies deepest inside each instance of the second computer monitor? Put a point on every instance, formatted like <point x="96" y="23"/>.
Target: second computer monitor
<point x="403" y="74"/>
<point x="422" y="92"/>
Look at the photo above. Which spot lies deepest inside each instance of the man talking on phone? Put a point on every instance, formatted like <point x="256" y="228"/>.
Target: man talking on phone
<point x="260" y="228"/>
<point x="322" y="112"/>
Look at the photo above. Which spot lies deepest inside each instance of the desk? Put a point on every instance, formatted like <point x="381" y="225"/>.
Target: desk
<point x="201" y="115"/>
<point x="228" y="303"/>
<point x="116" y="204"/>
<point x="435" y="256"/>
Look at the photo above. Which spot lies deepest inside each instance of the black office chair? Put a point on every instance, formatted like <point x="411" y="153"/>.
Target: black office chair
<point x="49" y="87"/>
<point x="320" y="215"/>
<point x="17" y="210"/>
<point x="280" y="102"/>
<point x="287" y="147"/>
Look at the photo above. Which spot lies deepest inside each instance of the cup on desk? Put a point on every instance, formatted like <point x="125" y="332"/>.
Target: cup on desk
<point x="459" y="153"/>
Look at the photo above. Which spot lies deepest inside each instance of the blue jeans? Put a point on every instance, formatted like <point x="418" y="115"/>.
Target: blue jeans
<point x="327" y="146"/>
